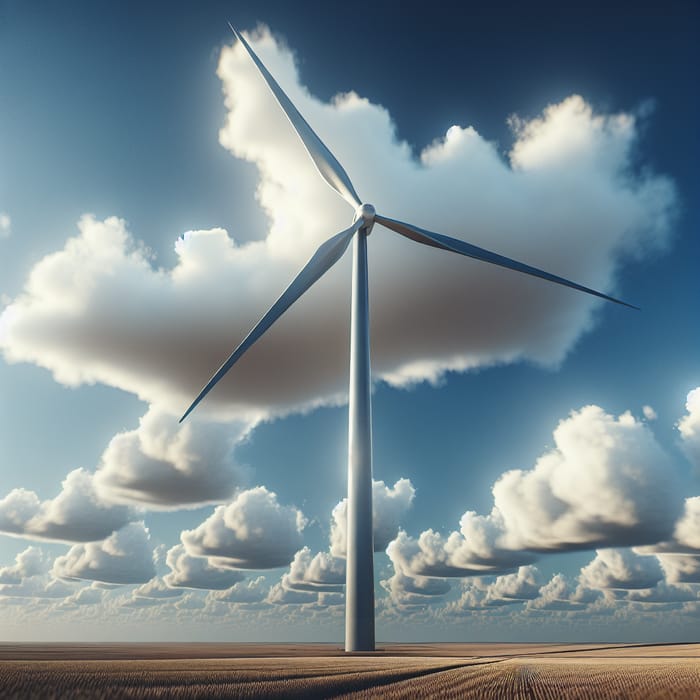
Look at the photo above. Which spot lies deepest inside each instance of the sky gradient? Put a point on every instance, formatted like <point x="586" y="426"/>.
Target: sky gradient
<point x="537" y="452"/>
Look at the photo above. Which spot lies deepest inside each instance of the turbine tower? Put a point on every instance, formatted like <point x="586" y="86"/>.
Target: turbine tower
<point x="359" y="587"/>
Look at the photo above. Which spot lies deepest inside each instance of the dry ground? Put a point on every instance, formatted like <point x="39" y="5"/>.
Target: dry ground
<point x="323" y="671"/>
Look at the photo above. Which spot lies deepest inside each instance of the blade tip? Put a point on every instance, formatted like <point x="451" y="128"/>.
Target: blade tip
<point x="187" y="412"/>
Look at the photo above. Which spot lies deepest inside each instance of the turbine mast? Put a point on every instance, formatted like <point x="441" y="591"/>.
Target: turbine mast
<point x="359" y="586"/>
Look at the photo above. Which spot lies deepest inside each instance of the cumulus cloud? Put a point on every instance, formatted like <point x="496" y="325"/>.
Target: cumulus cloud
<point x="479" y="594"/>
<point x="124" y="557"/>
<point x="190" y="602"/>
<point x="164" y="465"/>
<point x="680" y="554"/>
<point x="410" y="590"/>
<point x="29" y="562"/>
<point x="522" y="585"/>
<point x="680" y="568"/>
<point x="5" y="224"/>
<point x="98" y="311"/>
<point x="156" y="589"/>
<point x="662" y="593"/>
<point x="90" y="595"/>
<point x="606" y="482"/>
<point x="36" y="587"/>
<point x="321" y="572"/>
<point x="187" y="571"/>
<point x="649" y="413"/>
<point x="472" y="598"/>
<point x="560" y="593"/>
<point x="621" y="569"/>
<point x="689" y="427"/>
<point x="685" y="538"/>
<point x="389" y="506"/>
<point x="77" y="514"/>
<point x="476" y="553"/>
<point x="282" y="594"/>
<point x="254" y="531"/>
<point x="248" y="592"/>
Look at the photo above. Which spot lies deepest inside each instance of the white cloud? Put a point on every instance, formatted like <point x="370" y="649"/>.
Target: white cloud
<point x="90" y="595"/>
<point x="689" y="427"/>
<point x="326" y="600"/>
<point x="247" y="592"/>
<point x="680" y="568"/>
<point x="37" y="587"/>
<point x="282" y="594"/>
<point x="408" y="591"/>
<point x="389" y="506"/>
<point x="685" y="538"/>
<point x="472" y="598"/>
<point x="522" y="585"/>
<point x="97" y="310"/>
<point x="662" y="593"/>
<point x="621" y="569"/>
<point x="680" y="554"/>
<point x="254" y="531"/>
<point x="29" y="562"/>
<point x="607" y="482"/>
<point x="480" y="594"/>
<point x="5" y="224"/>
<point x="458" y="554"/>
<point x="164" y="465"/>
<point x="321" y="572"/>
<point x="124" y="557"/>
<point x="77" y="514"/>
<point x="560" y="594"/>
<point x="190" y="601"/>
<point x="157" y="589"/>
<point x="649" y="413"/>
<point x="197" y="572"/>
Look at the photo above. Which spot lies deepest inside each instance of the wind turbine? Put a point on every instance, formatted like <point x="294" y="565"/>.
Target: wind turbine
<point x="359" y="587"/>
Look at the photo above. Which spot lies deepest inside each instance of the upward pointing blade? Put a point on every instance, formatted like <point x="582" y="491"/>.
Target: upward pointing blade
<point x="437" y="240"/>
<point x="320" y="262"/>
<point x="331" y="170"/>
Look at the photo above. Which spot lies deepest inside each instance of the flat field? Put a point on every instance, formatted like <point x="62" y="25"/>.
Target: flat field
<point x="500" y="671"/>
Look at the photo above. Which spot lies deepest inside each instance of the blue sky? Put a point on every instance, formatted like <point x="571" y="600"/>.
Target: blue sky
<point x="124" y="128"/>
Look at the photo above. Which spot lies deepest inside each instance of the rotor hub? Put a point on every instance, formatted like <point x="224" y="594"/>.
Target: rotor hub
<point x="366" y="213"/>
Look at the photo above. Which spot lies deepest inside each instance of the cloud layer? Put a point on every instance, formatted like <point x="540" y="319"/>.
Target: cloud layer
<point x="607" y="482"/>
<point x="29" y="562"/>
<point x="164" y="465"/>
<point x="77" y="514"/>
<point x="97" y="310"/>
<point x="389" y="506"/>
<point x="187" y="571"/>
<point x="124" y="557"/>
<point x="254" y="531"/>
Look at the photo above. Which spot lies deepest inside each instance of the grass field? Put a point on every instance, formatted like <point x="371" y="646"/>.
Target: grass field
<point x="324" y="671"/>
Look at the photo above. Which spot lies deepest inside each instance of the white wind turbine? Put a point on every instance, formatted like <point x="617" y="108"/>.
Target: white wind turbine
<point x="359" y="586"/>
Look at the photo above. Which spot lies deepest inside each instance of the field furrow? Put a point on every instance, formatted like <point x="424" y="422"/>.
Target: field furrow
<point x="661" y="672"/>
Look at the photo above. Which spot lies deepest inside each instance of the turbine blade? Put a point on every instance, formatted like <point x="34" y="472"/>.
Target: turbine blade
<point x="437" y="240"/>
<point x="329" y="167"/>
<point x="320" y="262"/>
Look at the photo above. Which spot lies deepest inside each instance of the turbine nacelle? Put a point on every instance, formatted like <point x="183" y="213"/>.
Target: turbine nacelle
<point x="365" y="213"/>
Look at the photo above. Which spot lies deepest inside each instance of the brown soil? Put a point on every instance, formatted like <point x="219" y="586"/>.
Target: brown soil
<point x="324" y="671"/>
